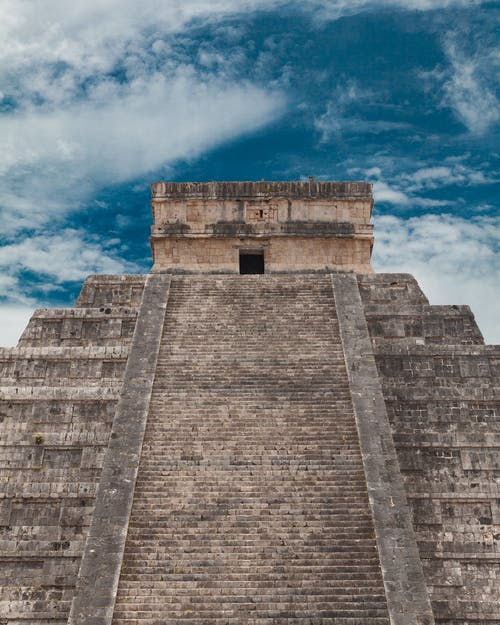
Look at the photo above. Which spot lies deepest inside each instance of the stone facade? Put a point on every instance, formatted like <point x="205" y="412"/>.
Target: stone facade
<point x="58" y="394"/>
<point x="269" y="449"/>
<point x="442" y="392"/>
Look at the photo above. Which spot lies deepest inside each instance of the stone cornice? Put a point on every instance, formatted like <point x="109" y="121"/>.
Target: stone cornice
<point x="262" y="189"/>
<point x="287" y="229"/>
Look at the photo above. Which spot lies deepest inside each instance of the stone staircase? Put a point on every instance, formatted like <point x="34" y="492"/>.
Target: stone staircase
<point x="251" y="505"/>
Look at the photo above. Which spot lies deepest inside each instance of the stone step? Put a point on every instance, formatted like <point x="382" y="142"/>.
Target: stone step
<point x="229" y="620"/>
<point x="176" y="583"/>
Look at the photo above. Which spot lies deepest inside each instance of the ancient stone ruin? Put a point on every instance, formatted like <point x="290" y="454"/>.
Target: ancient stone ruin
<point x="261" y="431"/>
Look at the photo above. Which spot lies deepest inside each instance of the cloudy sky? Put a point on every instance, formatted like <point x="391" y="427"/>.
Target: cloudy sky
<point x="100" y="98"/>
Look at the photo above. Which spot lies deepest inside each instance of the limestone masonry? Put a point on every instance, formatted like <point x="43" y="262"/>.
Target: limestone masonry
<point x="261" y="431"/>
<point x="295" y="226"/>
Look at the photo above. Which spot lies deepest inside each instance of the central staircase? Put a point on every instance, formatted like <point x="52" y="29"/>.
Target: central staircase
<point x="250" y="506"/>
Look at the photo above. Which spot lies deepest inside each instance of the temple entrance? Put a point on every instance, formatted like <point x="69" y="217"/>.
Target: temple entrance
<point x="251" y="262"/>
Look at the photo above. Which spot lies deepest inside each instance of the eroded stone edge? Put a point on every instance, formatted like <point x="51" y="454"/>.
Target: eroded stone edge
<point x="99" y="574"/>
<point x="407" y="598"/>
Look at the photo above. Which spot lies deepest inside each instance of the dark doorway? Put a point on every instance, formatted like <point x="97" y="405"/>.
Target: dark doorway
<point x="252" y="262"/>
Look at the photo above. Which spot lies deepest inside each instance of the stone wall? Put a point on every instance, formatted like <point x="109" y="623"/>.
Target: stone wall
<point x="58" y="393"/>
<point x="221" y="255"/>
<point x="442" y="392"/>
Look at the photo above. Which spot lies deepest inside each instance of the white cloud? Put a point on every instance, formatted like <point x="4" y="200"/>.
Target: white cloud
<point x="468" y="89"/>
<point x="444" y="175"/>
<point x="393" y="194"/>
<point x="92" y="35"/>
<point x="13" y="320"/>
<point x="456" y="261"/>
<point x="101" y="99"/>
<point x="52" y="46"/>
<point x="336" y="120"/>
<point x="382" y="192"/>
<point x="334" y="9"/>
<point x="127" y="134"/>
<point x="9" y="288"/>
<point x="66" y="256"/>
<point x="404" y="188"/>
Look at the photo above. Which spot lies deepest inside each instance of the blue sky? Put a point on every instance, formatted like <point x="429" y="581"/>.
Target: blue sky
<point x="100" y="99"/>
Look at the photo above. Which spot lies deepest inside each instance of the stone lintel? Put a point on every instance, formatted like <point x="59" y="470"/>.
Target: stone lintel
<point x="407" y="598"/>
<point x="99" y="573"/>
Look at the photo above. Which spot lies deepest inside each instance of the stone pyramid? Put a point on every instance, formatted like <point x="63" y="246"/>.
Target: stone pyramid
<point x="261" y="431"/>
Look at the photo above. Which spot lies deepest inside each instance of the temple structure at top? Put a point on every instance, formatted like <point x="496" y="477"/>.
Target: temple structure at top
<point x="262" y="227"/>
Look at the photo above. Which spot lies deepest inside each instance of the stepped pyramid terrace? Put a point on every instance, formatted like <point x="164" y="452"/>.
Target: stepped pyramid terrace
<point x="260" y="431"/>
